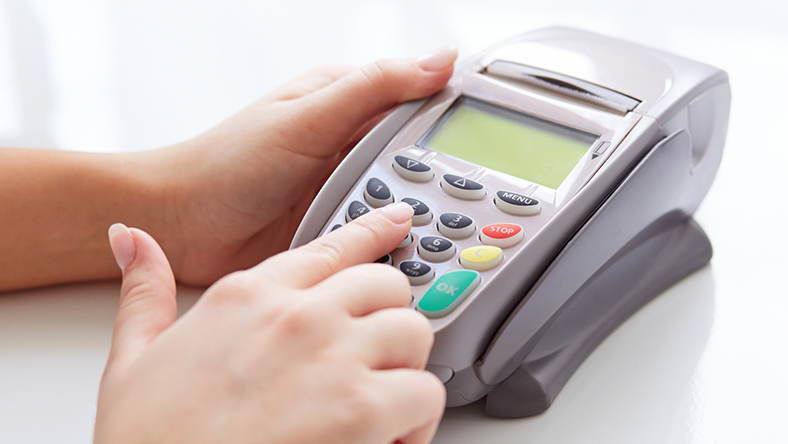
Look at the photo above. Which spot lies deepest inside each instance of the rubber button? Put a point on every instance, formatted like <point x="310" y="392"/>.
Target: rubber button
<point x="448" y="292"/>
<point x="385" y="260"/>
<point x="436" y="249"/>
<point x="481" y="257"/>
<point x="517" y="204"/>
<point x="355" y="210"/>
<point x="455" y="225"/>
<point x="377" y="193"/>
<point x="462" y="187"/>
<point x="502" y="235"/>
<point x="407" y="241"/>
<point x="422" y="215"/>
<point x="418" y="273"/>
<point x="412" y="170"/>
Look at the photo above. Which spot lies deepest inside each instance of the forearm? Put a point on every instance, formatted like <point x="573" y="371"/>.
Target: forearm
<point x="56" y="207"/>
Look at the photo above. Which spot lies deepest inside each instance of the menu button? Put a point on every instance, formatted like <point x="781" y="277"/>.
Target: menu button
<point x="515" y="203"/>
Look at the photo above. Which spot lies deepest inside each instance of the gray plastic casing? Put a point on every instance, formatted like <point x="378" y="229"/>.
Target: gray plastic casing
<point x="616" y="233"/>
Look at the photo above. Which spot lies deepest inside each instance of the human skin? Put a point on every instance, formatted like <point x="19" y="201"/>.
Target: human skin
<point x="314" y="345"/>
<point x="220" y="202"/>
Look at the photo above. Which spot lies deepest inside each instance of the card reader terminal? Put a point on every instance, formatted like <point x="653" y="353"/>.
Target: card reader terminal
<point x="553" y="183"/>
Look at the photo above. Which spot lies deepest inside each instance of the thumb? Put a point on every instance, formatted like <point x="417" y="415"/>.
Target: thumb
<point x="336" y="112"/>
<point x="147" y="296"/>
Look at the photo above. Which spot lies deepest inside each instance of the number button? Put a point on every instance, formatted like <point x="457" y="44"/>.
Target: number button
<point x="481" y="257"/>
<point x="462" y="188"/>
<point x="385" y="260"/>
<point x="422" y="215"/>
<point x="502" y="235"/>
<point x="377" y="194"/>
<point x="407" y="241"/>
<point x="455" y="225"/>
<point x="448" y="292"/>
<point x="418" y="273"/>
<point x="436" y="249"/>
<point x="517" y="204"/>
<point x="412" y="170"/>
<point x="355" y="210"/>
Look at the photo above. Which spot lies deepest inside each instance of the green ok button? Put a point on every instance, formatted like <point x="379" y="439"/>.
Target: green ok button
<point x="448" y="292"/>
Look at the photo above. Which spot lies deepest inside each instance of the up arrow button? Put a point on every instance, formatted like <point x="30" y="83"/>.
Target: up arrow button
<point x="462" y="187"/>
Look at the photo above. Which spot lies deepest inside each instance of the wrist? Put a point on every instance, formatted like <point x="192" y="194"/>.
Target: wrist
<point x="161" y="190"/>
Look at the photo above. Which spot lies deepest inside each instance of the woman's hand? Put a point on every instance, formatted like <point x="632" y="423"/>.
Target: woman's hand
<point x="240" y="190"/>
<point x="307" y="347"/>
<point x="221" y="202"/>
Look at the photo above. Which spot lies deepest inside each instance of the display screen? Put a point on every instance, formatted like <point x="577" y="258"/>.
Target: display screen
<point x="517" y="144"/>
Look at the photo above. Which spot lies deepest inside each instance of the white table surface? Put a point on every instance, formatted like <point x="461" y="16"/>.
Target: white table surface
<point x="707" y="362"/>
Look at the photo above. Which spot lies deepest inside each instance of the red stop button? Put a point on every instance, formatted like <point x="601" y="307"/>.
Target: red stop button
<point x="502" y="235"/>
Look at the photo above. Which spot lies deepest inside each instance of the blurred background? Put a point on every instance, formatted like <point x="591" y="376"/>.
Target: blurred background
<point x="705" y="363"/>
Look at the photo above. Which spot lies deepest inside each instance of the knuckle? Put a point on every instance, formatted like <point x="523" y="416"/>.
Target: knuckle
<point x="140" y="290"/>
<point x="376" y="74"/>
<point x="301" y="319"/>
<point x="234" y="287"/>
<point x="420" y="327"/>
<point x="387" y="277"/>
<point x="374" y="227"/>
<point x="434" y="391"/>
<point x="330" y="252"/>
<point x="360" y="406"/>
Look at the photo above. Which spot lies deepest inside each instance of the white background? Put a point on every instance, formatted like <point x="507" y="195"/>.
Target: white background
<point x="707" y="362"/>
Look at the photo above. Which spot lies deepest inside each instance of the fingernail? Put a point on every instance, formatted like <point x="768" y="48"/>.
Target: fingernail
<point x="439" y="59"/>
<point x="122" y="243"/>
<point x="399" y="213"/>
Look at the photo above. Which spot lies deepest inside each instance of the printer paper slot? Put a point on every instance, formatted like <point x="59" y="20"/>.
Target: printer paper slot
<point x="562" y="85"/>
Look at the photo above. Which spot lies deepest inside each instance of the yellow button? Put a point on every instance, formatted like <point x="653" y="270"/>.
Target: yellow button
<point x="481" y="258"/>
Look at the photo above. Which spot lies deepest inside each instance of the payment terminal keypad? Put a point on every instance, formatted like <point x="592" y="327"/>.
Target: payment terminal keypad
<point x="464" y="224"/>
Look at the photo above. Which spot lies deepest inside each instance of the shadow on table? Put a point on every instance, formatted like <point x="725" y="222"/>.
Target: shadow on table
<point x="638" y="386"/>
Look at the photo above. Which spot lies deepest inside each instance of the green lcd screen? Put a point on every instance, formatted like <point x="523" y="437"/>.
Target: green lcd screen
<point x="517" y="144"/>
